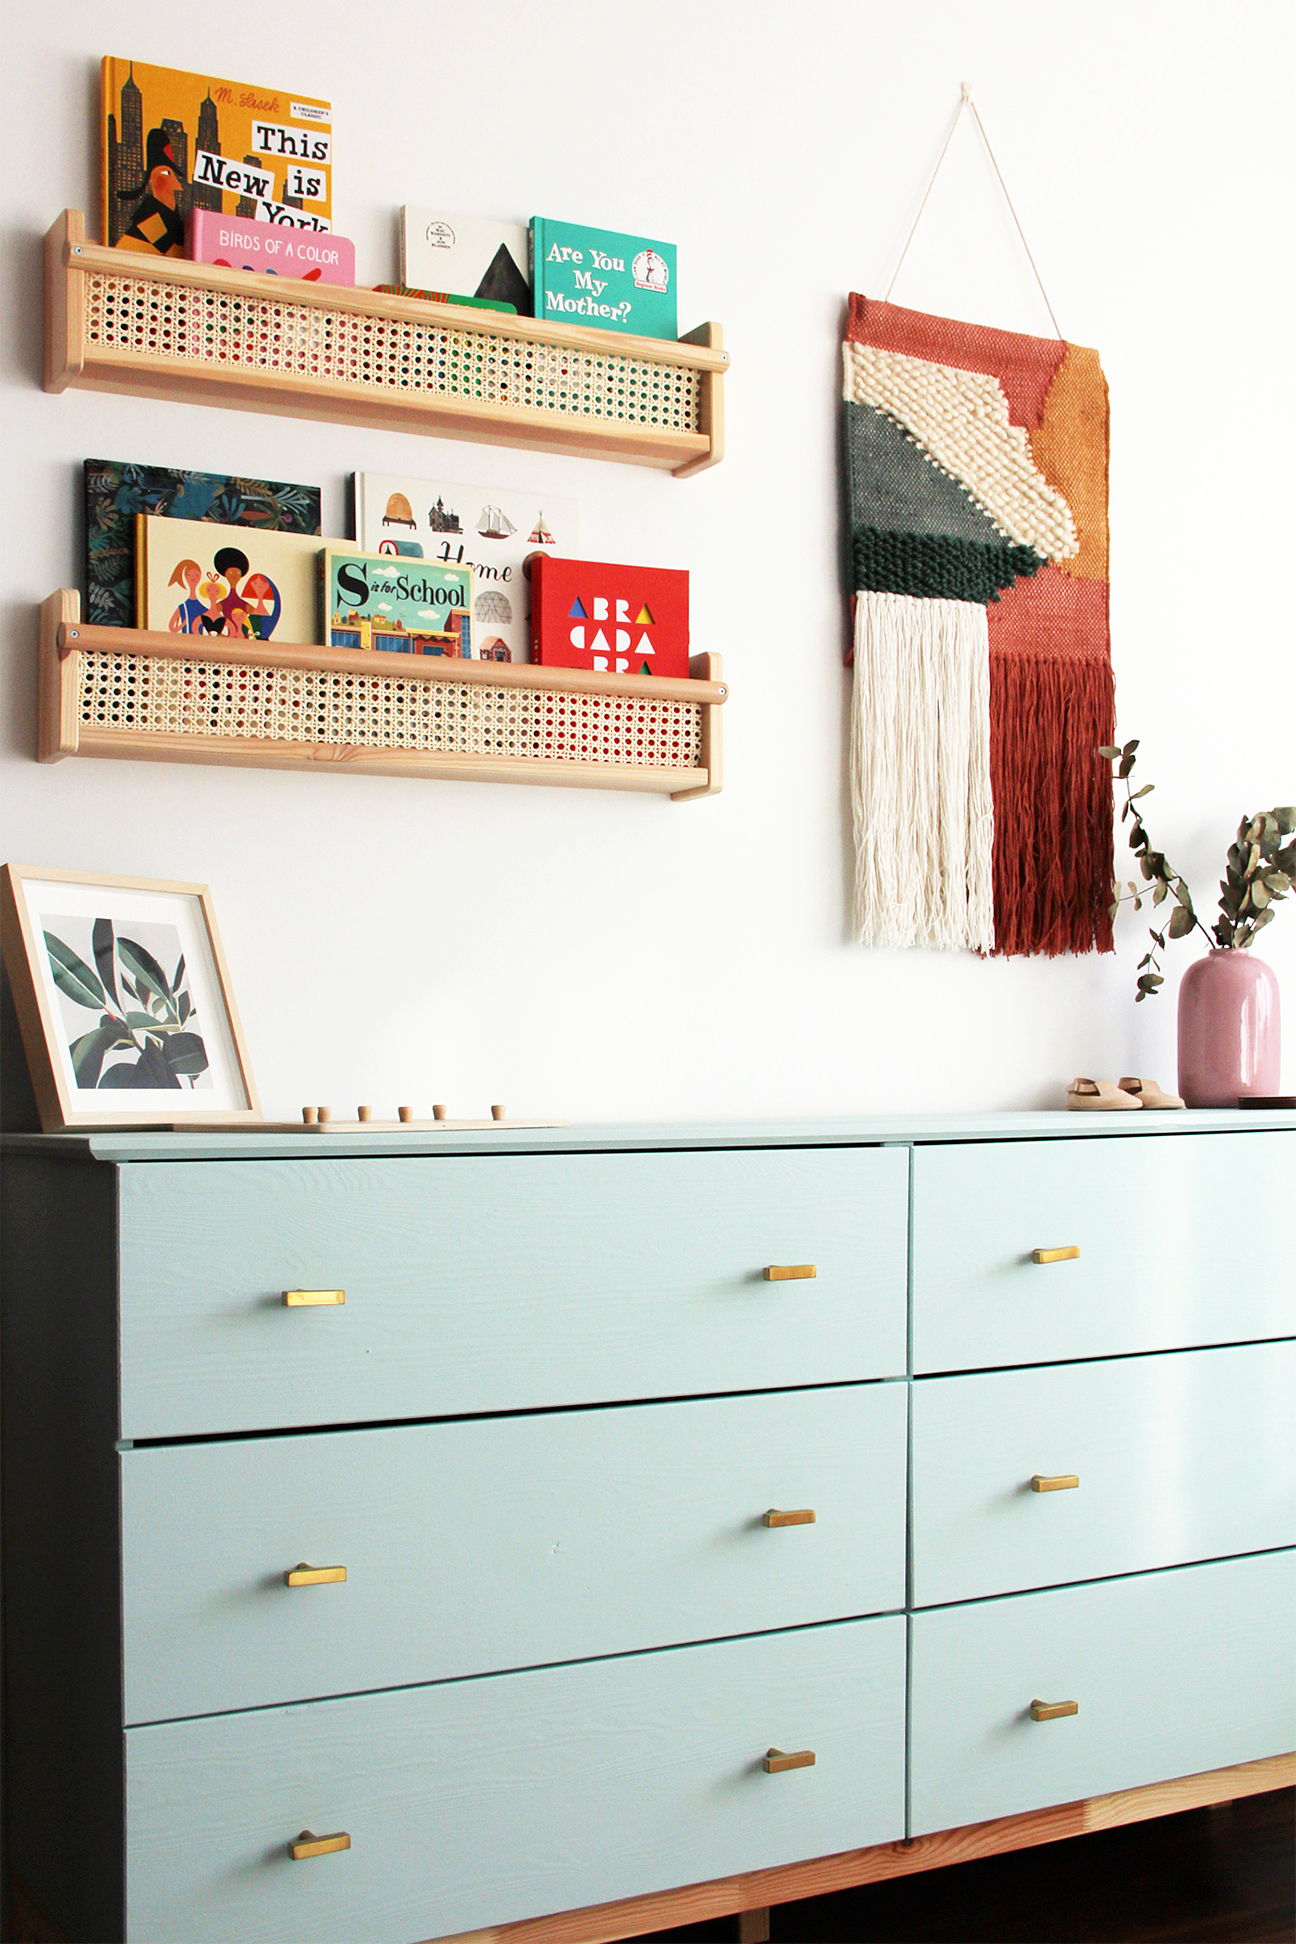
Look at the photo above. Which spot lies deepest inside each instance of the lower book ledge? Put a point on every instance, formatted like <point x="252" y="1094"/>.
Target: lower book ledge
<point x="756" y="1890"/>
<point x="171" y="698"/>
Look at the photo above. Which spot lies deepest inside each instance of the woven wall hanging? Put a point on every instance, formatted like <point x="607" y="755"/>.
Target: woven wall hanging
<point x="976" y="464"/>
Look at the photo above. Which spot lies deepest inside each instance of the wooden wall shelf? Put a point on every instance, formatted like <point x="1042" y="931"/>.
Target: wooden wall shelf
<point x="162" y="327"/>
<point x="175" y="698"/>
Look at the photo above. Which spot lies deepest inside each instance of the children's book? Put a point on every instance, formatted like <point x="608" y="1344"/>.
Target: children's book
<point x="116" y="492"/>
<point x="196" y="578"/>
<point x="446" y="297"/>
<point x="488" y="528"/>
<point x="174" y="141"/>
<point x="593" y="614"/>
<point x="597" y="277"/>
<point x="276" y="249"/>
<point x="465" y="256"/>
<point x="415" y="607"/>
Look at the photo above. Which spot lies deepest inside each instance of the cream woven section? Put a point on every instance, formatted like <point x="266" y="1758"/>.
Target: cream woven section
<point x="273" y="335"/>
<point x="154" y="695"/>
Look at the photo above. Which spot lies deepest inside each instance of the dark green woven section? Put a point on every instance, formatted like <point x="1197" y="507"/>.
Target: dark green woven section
<point x="938" y="564"/>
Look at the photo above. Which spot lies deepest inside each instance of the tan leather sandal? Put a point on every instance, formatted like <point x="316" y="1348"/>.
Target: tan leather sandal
<point x="1150" y="1092"/>
<point x="1099" y="1097"/>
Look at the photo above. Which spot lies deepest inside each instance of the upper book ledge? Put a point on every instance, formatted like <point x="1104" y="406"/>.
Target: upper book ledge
<point x="118" y="321"/>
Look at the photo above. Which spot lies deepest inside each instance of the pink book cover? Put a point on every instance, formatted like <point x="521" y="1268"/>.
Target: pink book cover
<point x="281" y="249"/>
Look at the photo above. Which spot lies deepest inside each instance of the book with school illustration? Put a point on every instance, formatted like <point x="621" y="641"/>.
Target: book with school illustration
<point x="196" y="578"/>
<point x="116" y="492"/>
<point x="598" y="615"/>
<point x="600" y="278"/>
<point x="174" y="141"/>
<point x="489" y="528"/>
<point x="465" y="256"/>
<point x="411" y="607"/>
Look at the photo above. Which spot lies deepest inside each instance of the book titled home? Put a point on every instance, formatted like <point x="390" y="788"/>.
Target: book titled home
<point x="489" y="528"/>
<point x="597" y="277"/>
<point x="465" y="257"/>
<point x="174" y="141"/>
<point x="414" y="607"/>
<point x="594" y="614"/>
<point x="277" y="249"/>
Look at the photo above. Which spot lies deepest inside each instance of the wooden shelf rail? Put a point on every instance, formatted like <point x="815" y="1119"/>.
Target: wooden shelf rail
<point x="163" y="327"/>
<point x="184" y="699"/>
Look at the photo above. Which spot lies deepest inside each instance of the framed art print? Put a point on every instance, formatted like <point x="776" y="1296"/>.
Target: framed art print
<point x="123" y="1001"/>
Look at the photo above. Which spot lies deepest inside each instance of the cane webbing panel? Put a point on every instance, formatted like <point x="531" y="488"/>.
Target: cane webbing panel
<point x="208" y="327"/>
<point x="156" y="695"/>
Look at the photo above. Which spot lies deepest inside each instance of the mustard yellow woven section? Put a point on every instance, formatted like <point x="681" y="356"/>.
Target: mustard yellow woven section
<point x="154" y="695"/>
<point x="150" y="318"/>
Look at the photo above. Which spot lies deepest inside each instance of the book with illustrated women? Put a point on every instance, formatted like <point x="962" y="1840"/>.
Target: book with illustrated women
<point x="197" y="578"/>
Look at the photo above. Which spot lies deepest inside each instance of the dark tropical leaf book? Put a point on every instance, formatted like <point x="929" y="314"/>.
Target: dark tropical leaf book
<point x="115" y="492"/>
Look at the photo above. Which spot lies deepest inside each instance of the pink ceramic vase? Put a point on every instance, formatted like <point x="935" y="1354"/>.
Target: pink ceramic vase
<point x="1228" y="1029"/>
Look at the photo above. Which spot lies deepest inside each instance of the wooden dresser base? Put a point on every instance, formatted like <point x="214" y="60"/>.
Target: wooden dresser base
<point x="750" y="1895"/>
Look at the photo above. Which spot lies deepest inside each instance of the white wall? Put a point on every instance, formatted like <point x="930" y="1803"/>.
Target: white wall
<point x="614" y="956"/>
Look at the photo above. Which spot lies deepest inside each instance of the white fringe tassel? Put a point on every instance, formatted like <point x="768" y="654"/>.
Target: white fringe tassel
<point x="920" y="773"/>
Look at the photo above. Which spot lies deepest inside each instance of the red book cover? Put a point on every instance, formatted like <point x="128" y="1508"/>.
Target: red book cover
<point x="593" y="614"/>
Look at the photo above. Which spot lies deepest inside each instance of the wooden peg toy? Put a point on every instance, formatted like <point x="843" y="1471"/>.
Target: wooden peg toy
<point x="310" y="1115"/>
<point x="438" y="1113"/>
<point x="364" y="1113"/>
<point x="405" y="1113"/>
<point x="497" y="1113"/>
<point x="324" y="1114"/>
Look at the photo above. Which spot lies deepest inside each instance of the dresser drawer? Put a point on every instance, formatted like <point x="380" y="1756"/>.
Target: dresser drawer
<point x="474" y="1802"/>
<point x="501" y="1282"/>
<point x="501" y="1543"/>
<point x="1173" y="1673"/>
<point x="1180" y="1457"/>
<point x="1157" y="1223"/>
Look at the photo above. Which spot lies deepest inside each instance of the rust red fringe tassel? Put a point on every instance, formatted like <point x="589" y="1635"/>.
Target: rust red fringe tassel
<point x="1053" y="856"/>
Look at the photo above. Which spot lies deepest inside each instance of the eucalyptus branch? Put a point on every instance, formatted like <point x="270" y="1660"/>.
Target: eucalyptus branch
<point x="1259" y="872"/>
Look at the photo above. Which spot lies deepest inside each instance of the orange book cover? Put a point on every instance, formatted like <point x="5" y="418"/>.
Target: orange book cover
<point x="173" y="141"/>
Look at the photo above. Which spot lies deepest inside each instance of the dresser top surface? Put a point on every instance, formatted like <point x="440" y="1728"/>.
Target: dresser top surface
<point x="244" y="1144"/>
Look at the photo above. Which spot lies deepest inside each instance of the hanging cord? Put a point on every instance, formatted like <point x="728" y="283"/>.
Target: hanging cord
<point x="967" y="102"/>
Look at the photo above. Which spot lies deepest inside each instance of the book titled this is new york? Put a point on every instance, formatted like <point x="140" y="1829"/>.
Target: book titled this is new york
<point x="600" y="278"/>
<point x="174" y="142"/>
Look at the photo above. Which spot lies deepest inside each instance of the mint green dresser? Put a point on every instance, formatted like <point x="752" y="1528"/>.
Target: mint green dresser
<point x="530" y="1576"/>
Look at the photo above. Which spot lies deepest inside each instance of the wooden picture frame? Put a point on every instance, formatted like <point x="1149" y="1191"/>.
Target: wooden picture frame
<point x="103" y="1004"/>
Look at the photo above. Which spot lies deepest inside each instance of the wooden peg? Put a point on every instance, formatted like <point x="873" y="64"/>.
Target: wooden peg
<point x="497" y="1113"/>
<point x="309" y="1115"/>
<point x="364" y="1113"/>
<point x="405" y="1113"/>
<point x="325" y="1114"/>
<point x="438" y="1113"/>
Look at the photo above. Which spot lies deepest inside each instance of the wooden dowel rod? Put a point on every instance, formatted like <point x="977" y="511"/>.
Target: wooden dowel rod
<point x="94" y="257"/>
<point x="370" y="661"/>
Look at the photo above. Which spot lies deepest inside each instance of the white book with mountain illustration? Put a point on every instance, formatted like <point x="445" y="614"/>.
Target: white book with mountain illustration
<point x="488" y="528"/>
<point x="465" y="256"/>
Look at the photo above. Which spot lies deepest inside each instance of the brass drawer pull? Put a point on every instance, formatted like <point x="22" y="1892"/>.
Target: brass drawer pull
<point x="790" y="1271"/>
<point x="313" y="1298"/>
<point x="1064" y="1482"/>
<point x="1053" y="1710"/>
<point x="776" y="1761"/>
<point x="776" y="1518"/>
<point x="1055" y="1255"/>
<point x="308" y="1844"/>
<point x="304" y="1575"/>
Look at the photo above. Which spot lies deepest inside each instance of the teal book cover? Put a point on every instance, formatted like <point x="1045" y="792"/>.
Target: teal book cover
<point x="597" y="277"/>
<point x="414" y="607"/>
